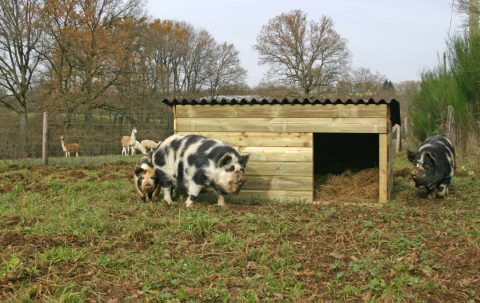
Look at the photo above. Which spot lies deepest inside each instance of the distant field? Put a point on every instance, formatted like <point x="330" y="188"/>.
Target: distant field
<point x="75" y="231"/>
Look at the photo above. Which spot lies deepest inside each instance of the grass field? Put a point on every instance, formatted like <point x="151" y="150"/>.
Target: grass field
<point x="75" y="231"/>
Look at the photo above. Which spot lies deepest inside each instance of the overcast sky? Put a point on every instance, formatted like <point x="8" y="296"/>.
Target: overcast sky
<point x="398" y="38"/>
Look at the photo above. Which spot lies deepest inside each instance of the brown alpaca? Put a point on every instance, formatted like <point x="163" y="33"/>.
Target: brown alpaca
<point x="70" y="147"/>
<point x="128" y="143"/>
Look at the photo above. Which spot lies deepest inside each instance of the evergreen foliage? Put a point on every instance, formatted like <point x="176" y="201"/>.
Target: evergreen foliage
<point x="457" y="86"/>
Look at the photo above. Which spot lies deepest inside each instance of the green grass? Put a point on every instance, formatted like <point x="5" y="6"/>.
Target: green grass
<point x="76" y="231"/>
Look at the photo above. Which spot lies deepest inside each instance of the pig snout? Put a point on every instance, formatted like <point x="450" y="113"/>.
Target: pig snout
<point x="418" y="173"/>
<point x="148" y="185"/>
<point x="238" y="179"/>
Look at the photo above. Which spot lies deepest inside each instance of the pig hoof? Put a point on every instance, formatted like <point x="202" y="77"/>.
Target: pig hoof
<point x="443" y="193"/>
<point x="221" y="204"/>
<point x="188" y="204"/>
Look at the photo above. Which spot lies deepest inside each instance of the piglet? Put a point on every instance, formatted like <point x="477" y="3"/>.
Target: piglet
<point x="146" y="180"/>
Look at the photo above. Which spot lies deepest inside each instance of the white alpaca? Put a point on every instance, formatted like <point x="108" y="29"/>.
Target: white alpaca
<point x="70" y="147"/>
<point x="128" y="142"/>
<point x="150" y="145"/>
<point x="138" y="146"/>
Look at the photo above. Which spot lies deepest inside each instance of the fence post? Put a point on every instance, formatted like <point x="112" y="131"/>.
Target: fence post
<point x="450" y="123"/>
<point x="45" y="139"/>
<point x="398" y="133"/>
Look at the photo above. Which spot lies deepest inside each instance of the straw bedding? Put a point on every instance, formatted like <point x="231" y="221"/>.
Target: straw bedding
<point x="352" y="187"/>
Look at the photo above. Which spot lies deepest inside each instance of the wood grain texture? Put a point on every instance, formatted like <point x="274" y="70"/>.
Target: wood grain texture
<point x="289" y="154"/>
<point x="261" y="196"/>
<point x="283" y="111"/>
<point x="280" y="169"/>
<point x="329" y="125"/>
<point x="293" y="183"/>
<point x="259" y="139"/>
<point x="383" y="168"/>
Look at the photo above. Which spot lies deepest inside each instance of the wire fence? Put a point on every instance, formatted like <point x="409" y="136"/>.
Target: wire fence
<point x="97" y="134"/>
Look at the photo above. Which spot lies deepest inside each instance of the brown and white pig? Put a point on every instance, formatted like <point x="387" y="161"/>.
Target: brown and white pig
<point x="194" y="163"/>
<point x="146" y="180"/>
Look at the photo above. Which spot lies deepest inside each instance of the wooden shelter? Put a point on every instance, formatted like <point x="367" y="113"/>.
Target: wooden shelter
<point x="286" y="139"/>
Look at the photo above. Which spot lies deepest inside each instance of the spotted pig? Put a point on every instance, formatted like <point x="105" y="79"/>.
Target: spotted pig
<point x="434" y="165"/>
<point x="193" y="163"/>
<point x="145" y="178"/>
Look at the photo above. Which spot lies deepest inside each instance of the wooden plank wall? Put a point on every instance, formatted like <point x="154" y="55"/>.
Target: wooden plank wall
<point x="279" y="139"/>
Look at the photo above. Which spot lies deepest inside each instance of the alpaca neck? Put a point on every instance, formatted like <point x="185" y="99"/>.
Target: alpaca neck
<point x="132" y="138"/>
<point x="142" y="149"/>
<point x="63" y="146"/>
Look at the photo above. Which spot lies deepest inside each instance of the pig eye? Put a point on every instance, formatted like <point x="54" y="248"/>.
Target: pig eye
<point x="230" y="169"/>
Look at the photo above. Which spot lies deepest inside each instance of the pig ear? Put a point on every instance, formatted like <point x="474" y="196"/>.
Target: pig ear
<point x="225" y="160"/>
<point x="429" y="157"/>
<point x="244" y="159"/>
<point x="411" y="155"/>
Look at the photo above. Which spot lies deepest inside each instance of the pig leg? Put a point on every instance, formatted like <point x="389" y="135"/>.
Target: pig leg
<point x="167" y="195"/>
<point x="193" y="191"/>
<point x="442" y="191"/>
<point x="221" y="199"/>
<point x="142" y="195"/>
<point x="165" y="184"/>
<point x="156" y="192"/>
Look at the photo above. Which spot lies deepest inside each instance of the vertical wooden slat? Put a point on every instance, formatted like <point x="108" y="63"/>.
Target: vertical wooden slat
<point x="383" y="168"/>
<point x="390" y="166"/>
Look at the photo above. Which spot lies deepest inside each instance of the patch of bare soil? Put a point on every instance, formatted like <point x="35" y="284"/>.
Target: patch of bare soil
<point x="12" y="177"/>
<point x="11" y="237"/>
<point x="43" y="170"/>
<point x="119" y="292"/>
<point x="9" y="220"/>
<point x="6" y="188"/>
<point x="74" y="174"/>
<point x="121" y="214"/>
<point x="35" y="184"/>
<point x="59" y="240"/>
<point x="352" y="187"/>
<point x="114" y="171"/>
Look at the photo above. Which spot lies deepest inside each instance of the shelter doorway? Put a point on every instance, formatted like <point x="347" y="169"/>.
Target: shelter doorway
<point x="345" y="167"/>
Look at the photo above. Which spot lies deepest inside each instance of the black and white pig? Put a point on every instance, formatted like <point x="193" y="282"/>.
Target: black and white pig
<point x="434" y="165"/>
<point x="145" y="179"/>
<point x="194" y="163"/>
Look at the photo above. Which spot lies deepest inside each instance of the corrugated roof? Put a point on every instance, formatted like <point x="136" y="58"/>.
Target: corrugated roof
<point x="393" y="104"/>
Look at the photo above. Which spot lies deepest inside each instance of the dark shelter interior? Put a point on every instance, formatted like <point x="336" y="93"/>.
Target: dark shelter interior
<point x="345" y="167"/>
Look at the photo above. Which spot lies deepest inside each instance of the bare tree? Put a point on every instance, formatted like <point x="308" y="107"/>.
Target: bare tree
<point x="19" y="59"/>
<point x="225" y="69"/>
<point x="200" y="58"/>
<point x="311" y="55"/>
<point x="365" y="82"/>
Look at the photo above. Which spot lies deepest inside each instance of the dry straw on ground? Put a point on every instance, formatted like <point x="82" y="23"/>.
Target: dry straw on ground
<point x="351" y="187"/>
